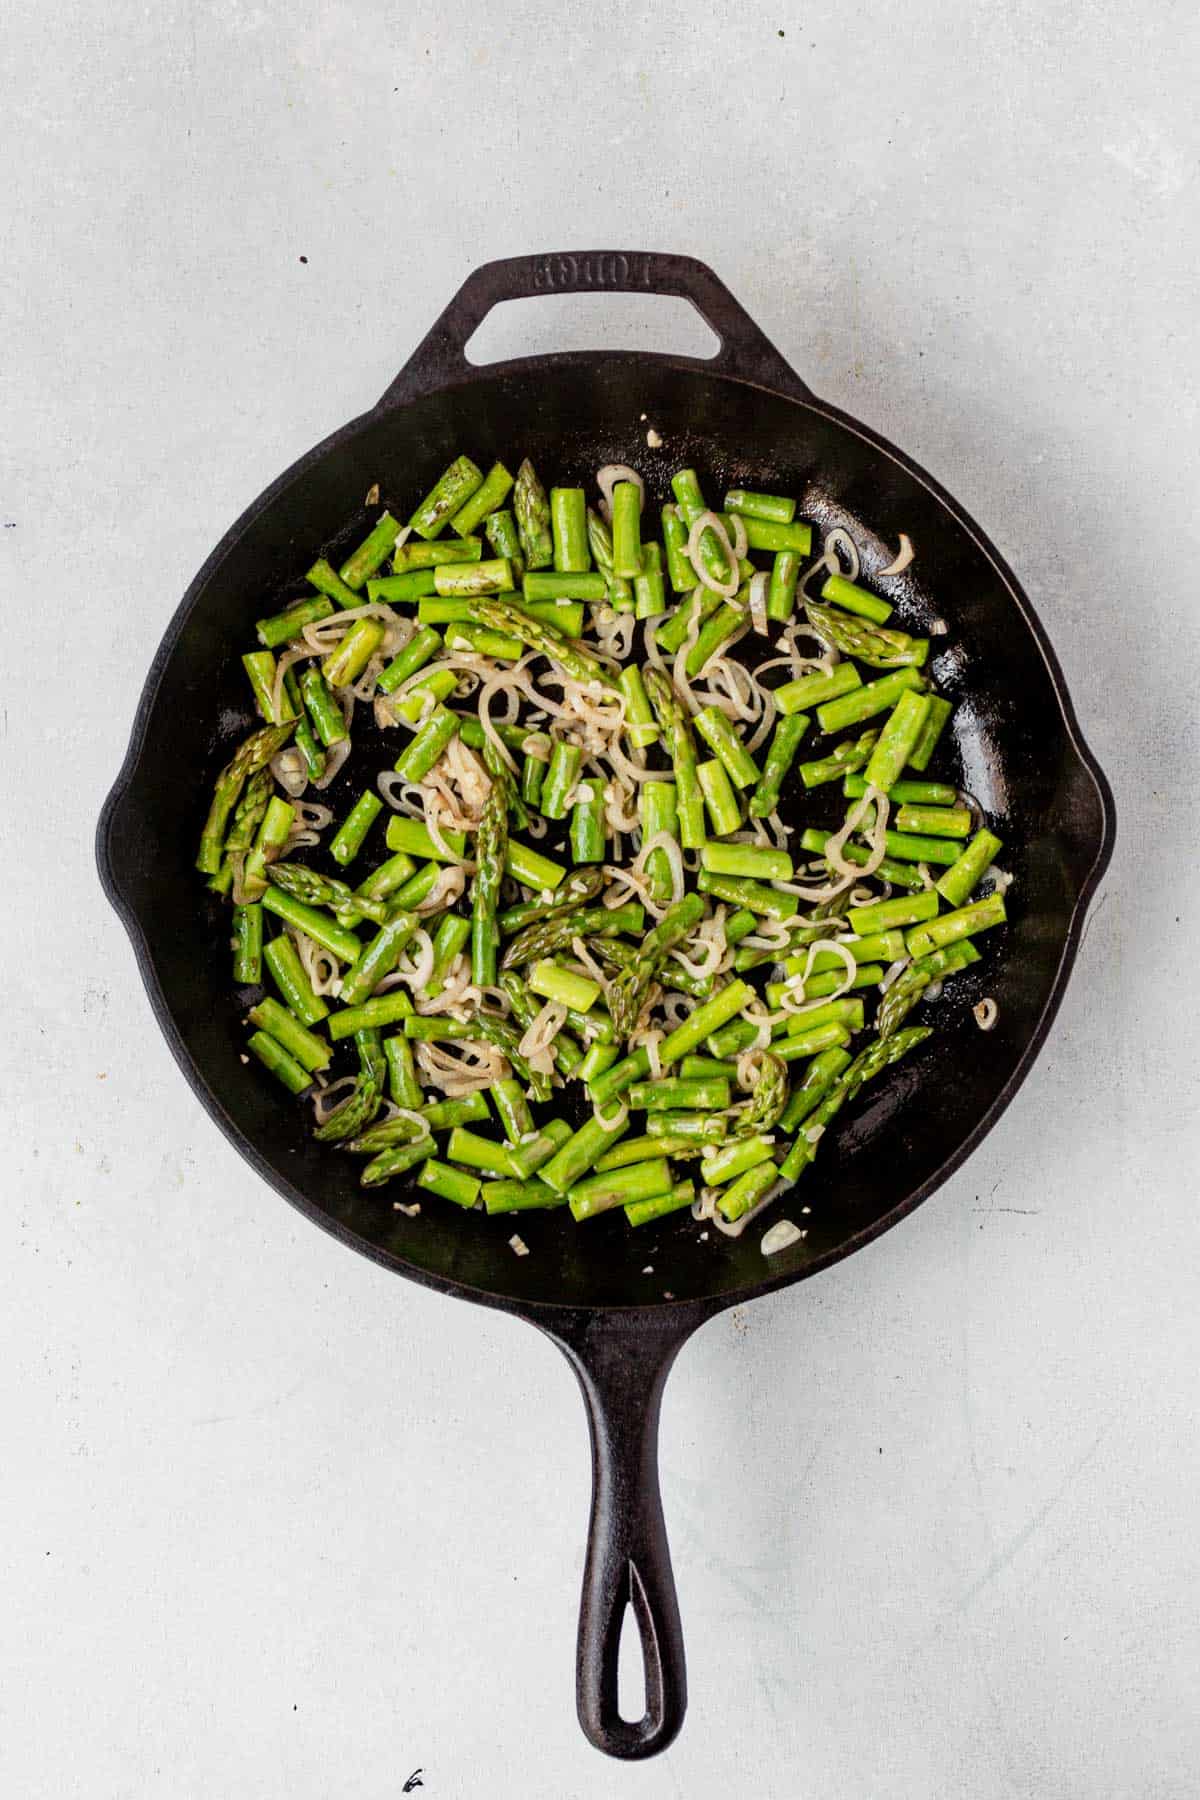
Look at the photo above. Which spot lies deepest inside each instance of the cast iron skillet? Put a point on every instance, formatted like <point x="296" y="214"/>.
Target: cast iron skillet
<point x="745" y="416"/>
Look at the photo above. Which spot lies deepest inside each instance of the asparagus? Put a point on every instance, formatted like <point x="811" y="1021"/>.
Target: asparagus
<point x="383" y="1009"/>
<point x="619" y="1187"/>
<point x="659" y="817"/>
<point x="742" y="1195"/>
<point x="935" y="723"/>
<point x="253" y="754"/>
<point x="348" y="840"/>
<point x="247" y="944"/>
<point x="454" y="580"/>
<point x="371" y="552"/>
<point x="261" y="671"/>
<point x="600" y="542"/>
<point x="512" y="1110"/>
<point x="649" y="593"/>
<point x="547" y="592"/>
<point x="680" y="572"/>
<point x="878" y="1055"/>
<point x="781" y="591"/>
<point x="681" y="748"/>
<point x="397" y="1161"/>
<point x="886" y="915"/>
<point x="716" y="630"/>
<point x="808" y="691"/>
<point x="532" y="1151"/>
<point x="965" y="872"/>
<point x="475" y="1152"/>
<point x="412" y="583"/>
<point x="287" y="971"/>
<point x="532" y="510"/>
<point x="446" y="497"/>
<point x="518" y="1196"/>
<point x="403" y="1085"/>
<point x="855" y="753"/>
<point x="565" y="1051"/>
<point x="639" y="716"/>
<point x="755" y="861"/>
<point x="316" y="924"/>
<point x="628" y="992"/>
<point x="568" y="525"/>
<point x="784" y="744"/>
<point x="819" y="1077"/>
<point x="556" y="931"/>
<point x="779" y="509"/>
<point x="720" y="801"/>
<point x="708" y="1094"/>
<point x="363" y="1101"/>
<point x="896" y="741"/>
<point x="936" y="821"/>
<point x="853" y="599"/>
<point x="724" y="742"/>
<point x="755" y="896"/>
<point x="415" y="556"/>
<point x="491" y="849"/>
<point x="378" y="959"/>
<point x="281" y="627"/>
<point x="964" y="922"/>
<point x="449" y="1184"/>
<point x="562" y="771"/>
<point x="243" y="827"/>
<point x="294" y="1076"/>
<point x="579" y="886"/>
<point x="443" y="1115"/>
<point x="452" y="934"/>
<point x="700" y="605"/>
<point x="500" y="1033"/>
<point x="306" y="742"/>
<point x="867" y="643"/>
<point x="695" y="1128"/>
<point x="491" y="493"/>
<point x="325" y="578"/>
<point x="686" y="486"/>
<point x="645" y="1212"/>
<point x="324" y="711"/>
<point x="641" y="1149"/>
<point x="325" y="890"/>
<point x="909" y="986"/>
<point x="767" y="1101"/>
<point x="504" y="539"/>
<point x="346" y="662"/>
<point x="572" y="659"/>
<point x="576" y="992"/>
<point x="580" y="1153"/>
<point x="269" y="843"/>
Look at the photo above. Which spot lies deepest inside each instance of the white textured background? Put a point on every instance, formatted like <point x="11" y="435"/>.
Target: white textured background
<point x="277" y="1526"/>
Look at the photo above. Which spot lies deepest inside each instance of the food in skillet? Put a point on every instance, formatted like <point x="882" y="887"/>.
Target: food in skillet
<point x="583" y="896"/>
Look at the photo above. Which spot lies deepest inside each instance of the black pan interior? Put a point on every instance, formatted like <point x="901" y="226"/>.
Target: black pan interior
<point x="1014" y="748"/>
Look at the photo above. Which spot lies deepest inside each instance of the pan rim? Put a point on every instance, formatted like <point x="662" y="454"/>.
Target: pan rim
<point x="539" y="1311"/>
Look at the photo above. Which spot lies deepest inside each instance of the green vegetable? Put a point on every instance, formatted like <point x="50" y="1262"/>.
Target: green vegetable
<point x="448" y="495"/>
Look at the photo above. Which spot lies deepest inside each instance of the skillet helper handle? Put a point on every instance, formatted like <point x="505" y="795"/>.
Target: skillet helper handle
<point x="746" y="352"/>
<point x="622" y="1361"/>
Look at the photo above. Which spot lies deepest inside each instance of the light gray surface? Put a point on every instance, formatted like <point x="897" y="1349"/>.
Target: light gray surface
<point x="276" y="1525"/>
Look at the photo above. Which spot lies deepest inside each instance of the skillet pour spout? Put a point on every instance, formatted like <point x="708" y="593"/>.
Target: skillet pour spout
<point x="621" y="1303"/>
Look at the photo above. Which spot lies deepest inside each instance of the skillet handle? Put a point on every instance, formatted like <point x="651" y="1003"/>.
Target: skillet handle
<point x="622" y="1360"/>
<point x="745" y="352"/>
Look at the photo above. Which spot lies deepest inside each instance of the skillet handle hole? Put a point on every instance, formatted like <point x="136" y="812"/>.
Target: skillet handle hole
<point x="631" y="1669"/>
<point x="547" y="323"/>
